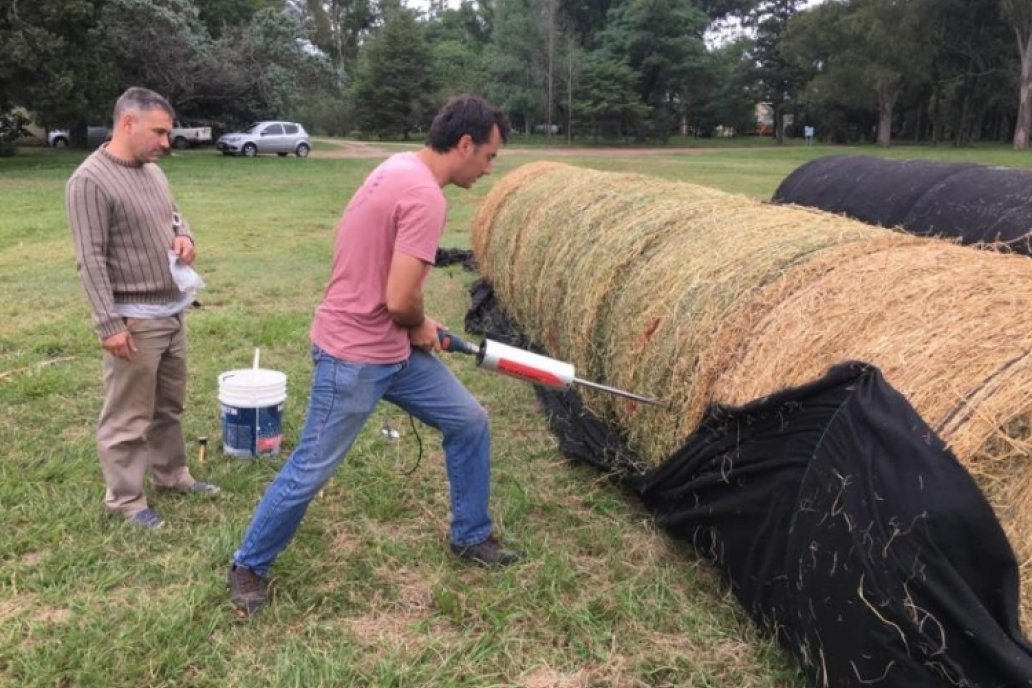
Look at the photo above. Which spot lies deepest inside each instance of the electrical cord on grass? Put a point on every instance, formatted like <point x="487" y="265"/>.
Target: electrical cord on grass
<point x="419" y="456"/>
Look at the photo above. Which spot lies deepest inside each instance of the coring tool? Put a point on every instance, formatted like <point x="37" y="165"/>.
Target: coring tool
<point x="528" y="366"/>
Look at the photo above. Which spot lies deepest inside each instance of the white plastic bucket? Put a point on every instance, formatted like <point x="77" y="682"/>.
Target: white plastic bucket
<point x="252" y="401"/>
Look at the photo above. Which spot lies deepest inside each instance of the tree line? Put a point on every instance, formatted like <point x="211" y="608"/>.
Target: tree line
<point x="922" y="70"/>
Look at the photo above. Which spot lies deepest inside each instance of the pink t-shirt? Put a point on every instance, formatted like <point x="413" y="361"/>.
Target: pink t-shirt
<point x="400" y="207"/>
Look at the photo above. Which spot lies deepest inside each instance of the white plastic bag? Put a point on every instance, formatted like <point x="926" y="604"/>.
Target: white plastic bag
<point x="185" y="277"/>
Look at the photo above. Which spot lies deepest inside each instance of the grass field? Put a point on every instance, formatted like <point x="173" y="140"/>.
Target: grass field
<point x="366" y="595"/>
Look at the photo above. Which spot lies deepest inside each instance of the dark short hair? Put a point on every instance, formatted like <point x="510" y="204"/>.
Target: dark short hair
<point x="139" y="98"/>
<point x="463" y="115"/>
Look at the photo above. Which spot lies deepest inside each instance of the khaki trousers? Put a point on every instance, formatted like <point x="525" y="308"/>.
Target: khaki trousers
<point x="139" y="426"/>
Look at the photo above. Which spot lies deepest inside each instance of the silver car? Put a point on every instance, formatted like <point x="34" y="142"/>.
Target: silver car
<point x="60" y="138"/>
<point x="280" y="138"/>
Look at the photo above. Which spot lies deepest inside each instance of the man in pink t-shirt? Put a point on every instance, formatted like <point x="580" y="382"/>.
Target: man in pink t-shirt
<point x="371" y="340"/>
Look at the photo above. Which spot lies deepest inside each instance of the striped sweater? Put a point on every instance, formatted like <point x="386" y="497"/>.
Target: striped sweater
<point x="123" y="221"/>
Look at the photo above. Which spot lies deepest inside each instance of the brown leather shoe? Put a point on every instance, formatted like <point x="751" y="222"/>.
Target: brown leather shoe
<point x="490" y="552"/>
<point x="246" y="590"/>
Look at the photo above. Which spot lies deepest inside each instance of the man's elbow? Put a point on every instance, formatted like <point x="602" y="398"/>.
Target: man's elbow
<point x="405" y="312"/>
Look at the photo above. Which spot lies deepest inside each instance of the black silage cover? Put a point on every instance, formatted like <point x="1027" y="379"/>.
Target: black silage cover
<point x="839" y="520"/>
<point x="975" y="203"/>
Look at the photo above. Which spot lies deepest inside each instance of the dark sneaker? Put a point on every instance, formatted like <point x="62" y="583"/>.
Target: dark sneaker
<point x="490" y="552"/>
<point x="148" y="518"/>
<point x="246" y="590"/>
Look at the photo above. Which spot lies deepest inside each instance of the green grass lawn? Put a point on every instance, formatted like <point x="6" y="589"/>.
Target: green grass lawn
<point x="366" y="595"/>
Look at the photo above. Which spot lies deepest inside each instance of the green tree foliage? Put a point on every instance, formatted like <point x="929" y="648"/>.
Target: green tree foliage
<point x="515" y="62"/>
<point x="458" y="39"/>
<point x="458" y="68"/>
<point x="726" y="93"/>
<point x="969" y="87"/>
<point x="780" y="78"/>
<point x="51" y="64"/>
<point x="607" y="101"/>
<point x="835" y="91"/>
<point x="661" y="41"/>
<point x="268" y="71"/>
<point x="865" y="52"/>
<point x="69" y="59"/>
<point x="468" y="24"/>
<point x="394" y="91"/>
<point x="12" y="127"/>
<point x="337" y="27"/>
<point x="889" y="40"/>
<point x="158" y="44"/>
<point x="586" y="19"/>
<point x="218" y="15"/>
<point x="858" y="69"/>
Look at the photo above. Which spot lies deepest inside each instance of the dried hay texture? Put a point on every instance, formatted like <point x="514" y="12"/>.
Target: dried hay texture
<point x="694" y="296"/>
<point x="622" y="275"/>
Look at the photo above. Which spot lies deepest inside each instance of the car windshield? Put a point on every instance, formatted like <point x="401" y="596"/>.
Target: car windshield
<point x="252" y="128"/>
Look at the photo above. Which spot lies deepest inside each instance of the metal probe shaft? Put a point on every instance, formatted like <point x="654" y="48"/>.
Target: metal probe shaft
<point x="618" y="392"/>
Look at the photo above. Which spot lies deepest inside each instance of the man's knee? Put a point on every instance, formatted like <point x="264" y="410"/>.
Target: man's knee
<point x="123" y="430"/>
<point x="472" y="419"/>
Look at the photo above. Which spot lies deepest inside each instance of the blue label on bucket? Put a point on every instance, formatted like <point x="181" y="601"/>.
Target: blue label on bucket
<point x="252" y="431"/>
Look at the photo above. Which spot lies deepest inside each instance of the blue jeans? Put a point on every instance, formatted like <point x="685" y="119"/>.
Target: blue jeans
<point x="343" y="397"/>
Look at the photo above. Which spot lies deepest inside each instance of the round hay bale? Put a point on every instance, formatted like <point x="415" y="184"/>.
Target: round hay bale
<point x="489" y="206"/>
<point x="951" y="329"/>
<point x="629" y="277"/>
<point x="694" y="296"/>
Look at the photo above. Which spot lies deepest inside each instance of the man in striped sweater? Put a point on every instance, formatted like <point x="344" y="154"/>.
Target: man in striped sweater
<point x="128" y="233"/>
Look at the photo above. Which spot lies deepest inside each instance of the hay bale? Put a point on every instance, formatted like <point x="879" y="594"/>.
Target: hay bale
<point x="951" y="329"/>
<point x="694" y="296"/>
<point x="488" y="208"/>
<point x="629" y="277"/>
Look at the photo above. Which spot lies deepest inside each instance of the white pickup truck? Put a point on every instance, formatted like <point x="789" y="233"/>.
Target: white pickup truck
<point x="183" y="136"/>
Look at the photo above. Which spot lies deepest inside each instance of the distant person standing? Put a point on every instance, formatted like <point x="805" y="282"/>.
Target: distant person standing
<point x="128" y="237"/>
<point x="371" y="340"/>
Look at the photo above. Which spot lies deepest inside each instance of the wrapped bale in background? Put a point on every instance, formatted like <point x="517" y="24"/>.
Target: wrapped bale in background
<point x="973" y="203"/>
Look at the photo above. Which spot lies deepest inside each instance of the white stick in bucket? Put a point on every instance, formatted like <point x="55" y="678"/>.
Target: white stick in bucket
<point x="257" y="410"/>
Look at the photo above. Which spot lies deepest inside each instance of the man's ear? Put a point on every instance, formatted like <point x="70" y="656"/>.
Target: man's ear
<point x="127" y="121"/>
<point x="466" y="144"/>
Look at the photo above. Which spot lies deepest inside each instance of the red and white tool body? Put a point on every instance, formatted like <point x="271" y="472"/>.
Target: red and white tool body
<point x="525" y="365"/>
<point x="528" y="366"/>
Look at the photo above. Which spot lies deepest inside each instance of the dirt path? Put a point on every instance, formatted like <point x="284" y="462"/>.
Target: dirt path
<point x="351" y="150"/>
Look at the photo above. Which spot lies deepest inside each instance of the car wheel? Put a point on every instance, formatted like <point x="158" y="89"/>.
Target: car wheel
<point x="250" y="150"/>
<point x="60" y="142"/>
<point x="282" y="155"/>
<point x="181" y="143"/>
<point x="302" y="150"/>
